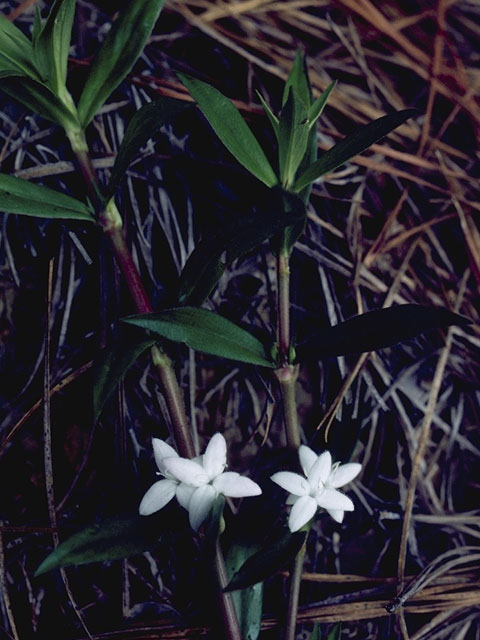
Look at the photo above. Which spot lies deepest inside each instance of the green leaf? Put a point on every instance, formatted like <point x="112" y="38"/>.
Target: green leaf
<point x="20" y="196"/>
<point x="352" y="145"/>
<point x="37" y="25"/>
<point x="38" y="98"/>
<point x="315" y="635"/>
<point x="271" y="116"/>
<point x="293" y="133"/>
<point x="205" y="331"/>
<point x="248" y="602"/>
<point x="318" y="106"/>
<point x="16" y="51"/>
<point x="336" y="632"/>
<point x="205" y="265"/>
<point x="116" y="537"/>
<point x="378" y="329"/>
<point x="119" y="52"/>
<point x="113" y="364"/>
<point x="213" y="528"/>
<point x="298" y="80"/>
<point x="231" y="128"/>
<point x="52" y="44"/>
<point x="268" y="560"/>
<point x="143" y="126"/>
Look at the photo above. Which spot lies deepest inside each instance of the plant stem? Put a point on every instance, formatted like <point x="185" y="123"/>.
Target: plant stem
<point x="283" y="306"/>
<point x="111" y="222"/>
<point x="287" y="377"/>
<point x="287" y="373"/>
<point x="175" y="404"/>
<point x="294" y="594"/>
<point x="229" y="615"/>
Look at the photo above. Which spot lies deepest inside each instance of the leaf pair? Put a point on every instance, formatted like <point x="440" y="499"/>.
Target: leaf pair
<point x="35" y="72"/>
<point x="210" y="333"/>
<point x="292" y="129"/>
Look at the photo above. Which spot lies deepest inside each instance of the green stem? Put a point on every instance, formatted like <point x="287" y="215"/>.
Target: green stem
<point x="287" y="373"/>
<point x="287" y="377"/>
<point x="174" y="399"/>
<point x="294" y="594"/>
<point x="283" y="306"/>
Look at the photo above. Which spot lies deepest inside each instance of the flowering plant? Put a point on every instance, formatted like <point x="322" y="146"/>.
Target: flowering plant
<point x="195" y="483"/>
<point x="34" y="72"/>
<point x="318" y="488"/>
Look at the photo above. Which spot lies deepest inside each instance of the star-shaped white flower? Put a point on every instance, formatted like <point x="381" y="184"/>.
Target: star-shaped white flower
<point x="164" y="490"/>
<point x="196" y="483"/>
<point x="318" y="488"/>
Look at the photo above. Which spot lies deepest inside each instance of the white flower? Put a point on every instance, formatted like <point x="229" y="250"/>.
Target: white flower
<point x="162" y="491"/>
<point x="318" y="488"/>
<point x="196" y="483"/>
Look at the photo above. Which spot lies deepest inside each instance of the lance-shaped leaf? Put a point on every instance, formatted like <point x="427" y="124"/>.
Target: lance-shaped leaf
<point x="248" y="602"/>
<point x="352" y="145"/>
<point x="143" y="126"/>
<point x="271" y="116"/>
<point x="378" y="329"/>
<point x="231" y="128"/>
<point x="117" y="537"/>
<point x="293" y="133"/>
<point x="318" y="106"/>
<point x="286" y="240"/>
<point x="119" y="52"/>
<point x="52" y="44"/>
<point x="205" y="265"/>
<point x="298" y="79"/>
<point x="267" y="561"/>
<point x="205" y="331"/>
<point x="113" y="364"/>
<point x="16" y="51"/>
<point x="336" y="632"/>
<point x="21" y="196"/>
<point x="38" y="98"/>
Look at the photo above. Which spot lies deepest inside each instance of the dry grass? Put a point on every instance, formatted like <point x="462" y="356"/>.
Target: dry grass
<point x="397" y="225"/>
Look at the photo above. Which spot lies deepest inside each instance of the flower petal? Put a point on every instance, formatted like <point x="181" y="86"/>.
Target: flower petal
<point x="292" y="482"/>
<point x="183" y="494"/>
<point x="186" y="471"/>
<point x="200" y="504"/>
<point x="344" y="474"/>
<point x="215" y="456"/>
<point x="308" y="457"/>
<point x="335" y="500"/>
<point x="162" y="450"/>
<point x="157" y="496"/>
<point x="302" y="511"/>
<point x="336" y="514"/>
<point x="320" y="471"/>
<point x="234" y="485"/>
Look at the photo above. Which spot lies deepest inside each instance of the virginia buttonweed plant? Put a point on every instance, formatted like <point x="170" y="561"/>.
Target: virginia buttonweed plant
<point x="34" y="71"/>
